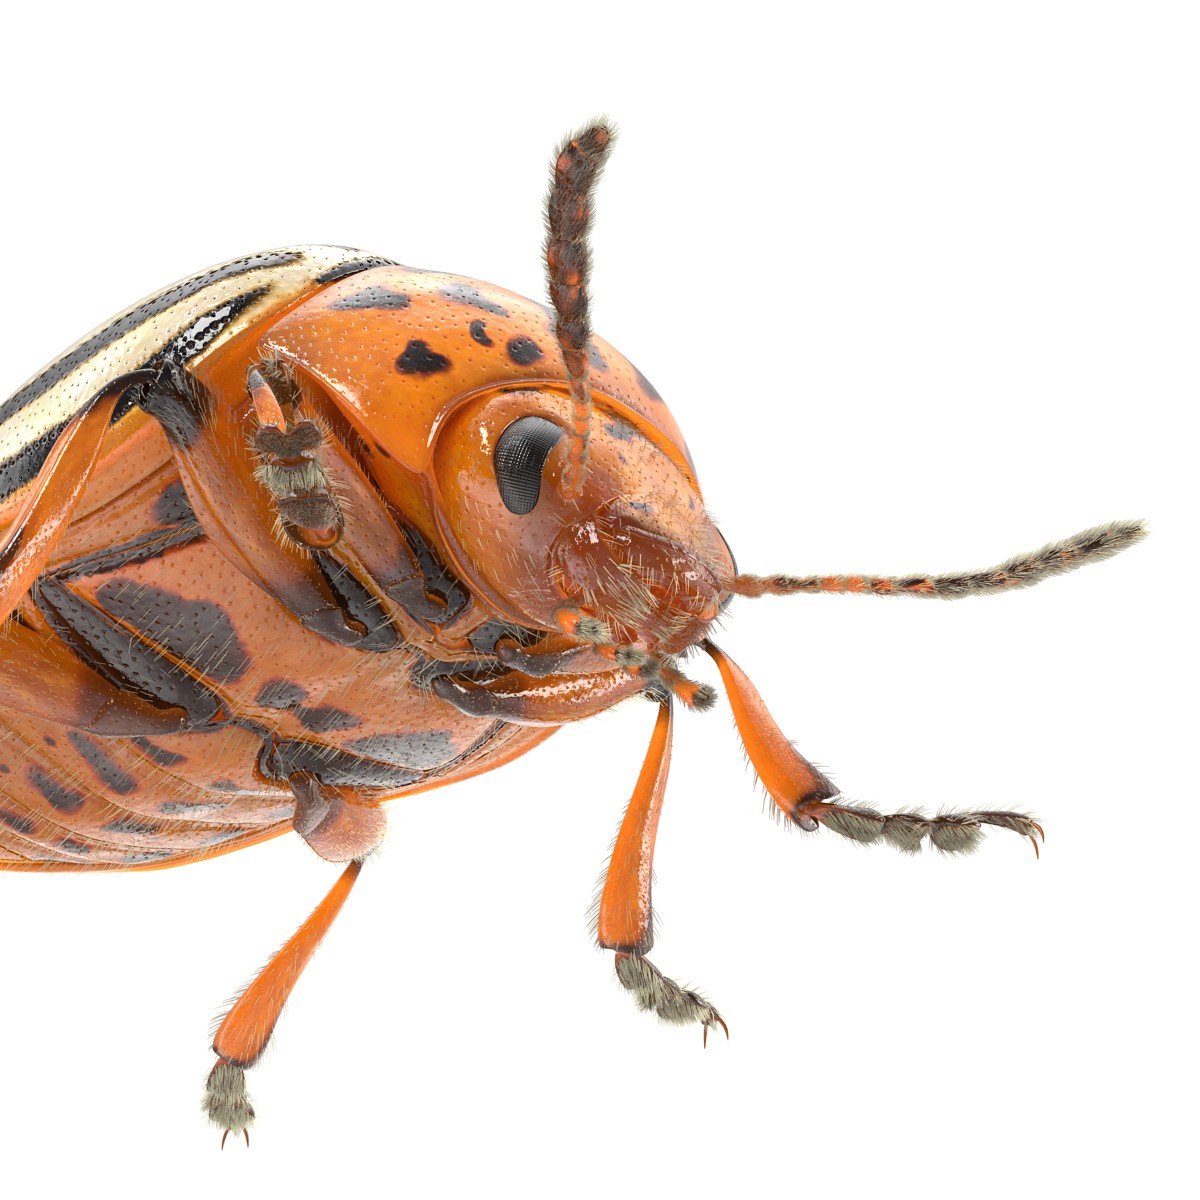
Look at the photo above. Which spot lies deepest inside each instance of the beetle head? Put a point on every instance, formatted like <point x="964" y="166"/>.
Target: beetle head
<point x="632" y="547"/>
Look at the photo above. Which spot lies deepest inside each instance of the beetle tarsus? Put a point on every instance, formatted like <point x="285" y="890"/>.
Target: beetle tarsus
<point x="671" y="1003"/>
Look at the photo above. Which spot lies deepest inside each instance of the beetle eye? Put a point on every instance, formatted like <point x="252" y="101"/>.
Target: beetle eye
<point x="520" y="455"/>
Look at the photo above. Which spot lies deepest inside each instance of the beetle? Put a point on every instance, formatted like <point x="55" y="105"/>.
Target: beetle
<point x="312" y="530"/>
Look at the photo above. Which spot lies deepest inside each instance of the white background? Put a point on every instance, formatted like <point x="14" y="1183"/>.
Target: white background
<point x="919" y="282"/>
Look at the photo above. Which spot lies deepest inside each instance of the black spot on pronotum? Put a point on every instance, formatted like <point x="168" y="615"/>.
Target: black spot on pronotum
<point x="103" y="765"/>
<point x="57" y="795"/>
<point x="520" y="454"/>
<point x="479" y="333"/>
<point x="418" y="359"/>
<point x="372" y="297"/>
<point x="646" y="385"/>
<point x="464" y="293"/>
<point x="523" y="351"/>
<point x="279" y="693"/>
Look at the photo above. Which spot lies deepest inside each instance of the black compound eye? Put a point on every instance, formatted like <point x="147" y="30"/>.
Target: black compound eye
<point x="520" y="455"/>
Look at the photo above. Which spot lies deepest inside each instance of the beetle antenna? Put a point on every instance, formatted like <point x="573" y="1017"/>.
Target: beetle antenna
<point x="1024" y="570"/>
<point x="574" y="174"/>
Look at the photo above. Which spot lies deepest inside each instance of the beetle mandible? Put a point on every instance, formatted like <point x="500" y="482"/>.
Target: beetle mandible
<point x="311" y="530"/>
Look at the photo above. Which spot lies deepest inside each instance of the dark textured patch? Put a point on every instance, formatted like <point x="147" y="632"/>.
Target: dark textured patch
<point x="198" y="632"/>
<point x="464" y="293"/>
<point x="421" y="751"/>
<point x="223" y="835"/>
<point x="154" y="543"/>
<point x="358" y="604"/>
<point x="332" y="766"/>
<point x="125" y="661"/>
<point x="372" y="297"/>
<point x="484" y="638"/>
<point x="137" y="857"/>
<point x="203" y="331"/>
<point x="200" y="808"/>
<point x="279" y="693"/>
<point x="106" y="769"/>
<point x="646" y="385"/>
<point x="479" y="333"/>
<point x="418" y="359"/>
<point x="173" y="507"/>
<point x="366" y="263"/>
<point x="382" y="451"/>
<point x="21" y="824"/>
<point x="641" y="506"/>
<point x="523" y="351"/>
<point x="621" y="430"/>
<point x="49" y="740"/>
<point x="325" y="718"/>
<point x="71" y="846"/>
<point x="158" y="754"/>
<point x="133" y="826"/>
<point x="436" y="578"/>
<point x="223" y="785"/>
<point x="57" y="795"/>
<point x="596" y="359"/>
<point x="5" y="769"/>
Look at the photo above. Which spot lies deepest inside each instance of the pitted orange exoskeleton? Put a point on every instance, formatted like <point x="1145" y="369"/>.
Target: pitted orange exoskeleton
<point x="311" y="530"/>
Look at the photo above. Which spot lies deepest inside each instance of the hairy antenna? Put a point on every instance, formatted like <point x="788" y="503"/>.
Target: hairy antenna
<point x="574" y="173"/>
<point x="1024" y="570"/>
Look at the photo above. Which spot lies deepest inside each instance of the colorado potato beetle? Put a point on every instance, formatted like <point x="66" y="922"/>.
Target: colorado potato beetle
<point x="312" y="530"/>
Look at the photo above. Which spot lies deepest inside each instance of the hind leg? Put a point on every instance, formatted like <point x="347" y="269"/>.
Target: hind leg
<point x="247" y="1027"/>
<point x="625" y="919"/>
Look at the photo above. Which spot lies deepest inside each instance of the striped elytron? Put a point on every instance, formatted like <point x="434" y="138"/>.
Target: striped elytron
<point x="312" y="530"/>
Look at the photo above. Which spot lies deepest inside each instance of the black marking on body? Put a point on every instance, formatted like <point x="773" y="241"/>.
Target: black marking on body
<point x="5" y="769"/>
<point x="366" y="263"/>
<point x="187" y="808"/>
<point x="596" y="359"/>
<point x="186" y="344"/>
<point x="223" y="785"/>
<point x="279" y="693"/>
<point x="173" y="507"/>
<point x="57" y="795"/>
<point x="71" y="846"/>
<point x="49" y="740"/>
<point x="464" y="293"/>
<point x="176" y="401"/>
<point x="436" y="578"/>
<point x="523" y="351"/>
<point x="158" y="754"/>
<point x="154" y="543"/>
<point x="104" y="767"/>
<point x="131" y="826"/>
<point x="136" y="858"/>
<point x="198" y="632"/>
<point x="646" y="385"/>
<point x="424" y="751"/>
<point x="418" y="359"/>
<point x="17" y="471"/>
<point x="479" y="333"/>
<point x="358" y="604"/>
<point x="334" y="767"/>
<point x="484" y="638"/>
<point x="124" y="660"/>
<point x="17" y="821"/>
<point x="223" y="835"/>
<point x="621" y="430"/>
<point x="372" y="297"/>
<point x="326" y="718"/>
<point x="156" y="305"/>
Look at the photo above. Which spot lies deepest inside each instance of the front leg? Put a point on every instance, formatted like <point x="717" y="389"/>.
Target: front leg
<point x="624" y="918"/>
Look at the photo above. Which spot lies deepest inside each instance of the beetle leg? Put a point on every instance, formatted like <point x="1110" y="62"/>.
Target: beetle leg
<point x="806" y="797"/>
<point x="47" y="511"/>
<point x="525" y="700"/>
<point x="624" y="918"/>
<point x="336" y="822"/>
<point x="246" y="1028"/>
<point x="41" y="677"/>
<point x="207" y="441"/>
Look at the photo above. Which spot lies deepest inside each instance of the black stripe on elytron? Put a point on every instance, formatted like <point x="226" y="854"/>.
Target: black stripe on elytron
<point x="352" y="268"/>
<point x="62" y="367"/>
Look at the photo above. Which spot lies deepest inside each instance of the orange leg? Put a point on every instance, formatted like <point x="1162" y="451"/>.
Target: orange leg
<point x="55" y="494"/>
<point x="624" y="920"/>
<point x="247" y="1027"/>
<point x="805" y="796"/>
